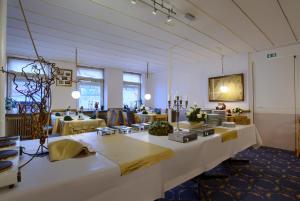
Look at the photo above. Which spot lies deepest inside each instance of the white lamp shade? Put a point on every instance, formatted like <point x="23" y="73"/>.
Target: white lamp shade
<point x="75" y="94"/>
<point x="147" y="96"/>
<point x="224" y="89"/>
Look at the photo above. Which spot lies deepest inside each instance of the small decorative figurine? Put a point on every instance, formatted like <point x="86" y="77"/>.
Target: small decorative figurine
<point x="221" y="106"/>
<point x="96" y="105"/>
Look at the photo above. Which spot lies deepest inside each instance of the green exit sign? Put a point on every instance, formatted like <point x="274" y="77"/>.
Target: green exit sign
<point x="270" y="55"/>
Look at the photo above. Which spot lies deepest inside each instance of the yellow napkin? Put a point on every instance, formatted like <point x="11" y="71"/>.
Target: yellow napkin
<point x="132" y="154"/>
<point x="226" y="134"/>
<point x="66" y="148"/>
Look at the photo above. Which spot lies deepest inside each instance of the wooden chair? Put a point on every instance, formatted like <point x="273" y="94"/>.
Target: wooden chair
<point x="121" y="120"/>
<point x="130" y="118"/>
<point x="111" y="119"/>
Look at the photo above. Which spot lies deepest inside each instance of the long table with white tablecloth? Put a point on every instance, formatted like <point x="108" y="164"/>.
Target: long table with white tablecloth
<point x="98" y="178"/>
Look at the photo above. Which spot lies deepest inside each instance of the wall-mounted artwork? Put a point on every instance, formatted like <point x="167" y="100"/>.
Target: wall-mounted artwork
<point x="64" y="78"/>
<point x="234" y="84"/>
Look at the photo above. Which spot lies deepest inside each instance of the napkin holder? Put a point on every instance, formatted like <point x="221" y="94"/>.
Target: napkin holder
<point x="204" y="132"/>
<point x="182" y="136"/>
<point x="228" y="124"/>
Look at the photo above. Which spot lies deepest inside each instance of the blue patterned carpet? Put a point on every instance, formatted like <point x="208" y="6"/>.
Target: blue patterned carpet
<point x="272" y="174"/>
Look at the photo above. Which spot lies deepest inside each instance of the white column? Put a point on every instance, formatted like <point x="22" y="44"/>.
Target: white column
<point x="170" y="72"/>
<point x="251" y="86"/>
<point x="3" y="11"/>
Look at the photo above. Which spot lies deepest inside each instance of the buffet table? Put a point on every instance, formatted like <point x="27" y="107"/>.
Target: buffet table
<point x="97" y="178"/>
<point x="196" y="157"/>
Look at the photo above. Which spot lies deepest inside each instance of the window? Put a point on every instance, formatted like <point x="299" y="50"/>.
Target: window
<point x="15" y="65"/>
<point x="131" y="89"/>
<point x="90" y="87"/>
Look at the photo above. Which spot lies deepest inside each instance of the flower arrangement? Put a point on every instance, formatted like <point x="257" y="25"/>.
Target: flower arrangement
<point x="68" y="118"/>
<point x="195" y="114"/>
<point x="237" y="110"/>
<point x="160" y="128"/>
<point x="143" y="109"/>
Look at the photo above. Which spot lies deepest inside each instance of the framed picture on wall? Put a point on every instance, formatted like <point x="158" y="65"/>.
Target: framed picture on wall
<point x="234" y="88"/>
<point x="64" y="78"/>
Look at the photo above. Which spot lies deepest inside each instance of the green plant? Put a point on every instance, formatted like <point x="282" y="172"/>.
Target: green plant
<point x="237" y="110"/>
<point x="93" y="117"/>
<point x="57" y="114"/>
<point x="144" y="112"/>
<point x="195" y="114"/>
<point x="68" y="118"/>
<point x="160" y="128"/>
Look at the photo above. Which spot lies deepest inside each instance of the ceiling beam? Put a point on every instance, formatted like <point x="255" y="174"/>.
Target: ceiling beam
<point x="96" y="30"/>
<point x="253" y="22"/>
<point x="195" y="29"/>
<point x="220" y="23"/>
<point x="158" y="27"/>
<point x="287" y="19"/>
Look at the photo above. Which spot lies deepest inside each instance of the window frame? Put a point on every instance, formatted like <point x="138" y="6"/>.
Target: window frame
<point x="133" y="83"/>
<point x="94" y="80"/>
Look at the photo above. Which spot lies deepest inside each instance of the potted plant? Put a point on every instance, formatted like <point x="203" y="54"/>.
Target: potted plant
<point x="195" y="116"/>
<point x="237" y="111"/>
<point x="160" y="128"/>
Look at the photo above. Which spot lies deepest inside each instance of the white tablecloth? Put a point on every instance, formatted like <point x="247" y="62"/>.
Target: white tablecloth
<point x="97" y="178"/>
<point x="84" y="179"/>
<point x="194" y="158"/>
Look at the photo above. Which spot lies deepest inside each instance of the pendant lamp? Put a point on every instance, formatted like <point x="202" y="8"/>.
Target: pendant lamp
<point x="147" y="96"/>
<point x="223" y="88"/>
<point x="76" y="94"/>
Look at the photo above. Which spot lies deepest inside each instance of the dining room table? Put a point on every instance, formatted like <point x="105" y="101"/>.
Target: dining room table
<point x="99" y="177"/>
<point x="78" y="124"/>
<point x="150" y="117"/>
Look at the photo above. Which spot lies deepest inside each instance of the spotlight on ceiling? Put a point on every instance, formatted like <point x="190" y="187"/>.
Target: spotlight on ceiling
<point x="154" y="8"/>
<point x="190" y="16"/>
<point x="169" y="19"/>
<point x="133" y="1"/>
<point x="154" y="11"/>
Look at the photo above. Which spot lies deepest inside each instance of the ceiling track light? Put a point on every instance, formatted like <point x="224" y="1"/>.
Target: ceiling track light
<point x="169" y="18"/>
<point x="154" y="9"/>
<point x="163" y="8"/>
<point x="133" y="1"/>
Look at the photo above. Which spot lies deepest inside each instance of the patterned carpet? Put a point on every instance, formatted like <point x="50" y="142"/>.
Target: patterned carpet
<point x="272" y="174"/>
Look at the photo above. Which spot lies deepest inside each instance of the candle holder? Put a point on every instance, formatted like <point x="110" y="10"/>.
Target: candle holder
<point x="177" y="106"/>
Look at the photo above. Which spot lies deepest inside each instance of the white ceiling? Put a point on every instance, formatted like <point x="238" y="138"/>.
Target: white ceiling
<point x="116" y="33"/>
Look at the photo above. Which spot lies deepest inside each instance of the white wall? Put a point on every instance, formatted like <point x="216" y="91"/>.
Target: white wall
<point x="232" y="65"/>
<point x="158" y="87"/>
<point x="274" y="96"/>
<point x="61" y="96"/>
<point x="187" y="80"/>
<point x="192" y="80"/>
<point x="113" y="88"/>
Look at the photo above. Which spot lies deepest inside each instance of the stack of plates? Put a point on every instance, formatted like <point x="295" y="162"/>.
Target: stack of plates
<point x="222" y="114"/>
<point x="213" y="120"/>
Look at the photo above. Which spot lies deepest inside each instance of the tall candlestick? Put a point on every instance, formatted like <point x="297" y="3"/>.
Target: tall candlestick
<point x="177" y="106"/>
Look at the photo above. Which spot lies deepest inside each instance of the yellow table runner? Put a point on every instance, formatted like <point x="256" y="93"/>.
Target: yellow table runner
<point x="132" y="154"/>
<point x="226" y="134"/>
